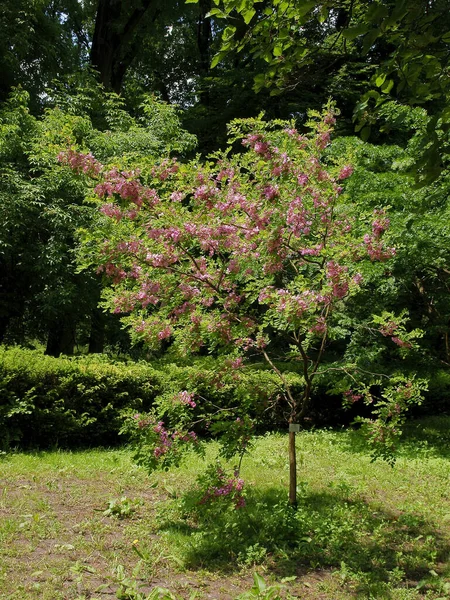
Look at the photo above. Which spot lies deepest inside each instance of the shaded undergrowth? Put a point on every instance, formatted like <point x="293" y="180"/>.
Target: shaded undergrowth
<point x="326" y="529"/>
<point x="426" y="437"/>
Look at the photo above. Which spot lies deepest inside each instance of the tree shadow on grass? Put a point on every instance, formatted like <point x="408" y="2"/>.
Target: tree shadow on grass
<point x="425" y="437"/>
<point x="328" y="529"/>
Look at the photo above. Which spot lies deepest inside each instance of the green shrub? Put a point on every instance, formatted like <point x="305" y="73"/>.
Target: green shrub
<point x="46" y="401"/>
<point x="80" y="401"/>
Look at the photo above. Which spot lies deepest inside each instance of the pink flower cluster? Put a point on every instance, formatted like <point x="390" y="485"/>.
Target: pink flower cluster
<point x="126" y="185"/>
<point x="256" y="141"/>
<point x="148" y="293"/>
<point x="79" y="162"/>
<point x="401" y="343"/>
<point x="380" y="224"/>
<point x="298" y="218"/>
<point x="142" y="422"/>
<point x="186" y="398"/>
<point x="337" y="275"/>
<point x="345" y="172"/>
<point x="167" y="440"/>
<point x="376" y="250"/>
<point x="271" y="192"/>
<point x="350" y="396"/>
<point x="389" y="329"/>
<point x="231" y="487"/>
<point x="320" y="326"/>
<point x="165" y="333"/>
<point x="165" y="169"/>
<point x="112" y="271"/>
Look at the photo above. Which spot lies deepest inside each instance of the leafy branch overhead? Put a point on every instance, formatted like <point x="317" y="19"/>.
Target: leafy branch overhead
<point x="405" y="46"/>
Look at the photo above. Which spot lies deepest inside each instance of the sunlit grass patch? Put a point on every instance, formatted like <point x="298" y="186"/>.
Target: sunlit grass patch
<point x="361" y="529"/>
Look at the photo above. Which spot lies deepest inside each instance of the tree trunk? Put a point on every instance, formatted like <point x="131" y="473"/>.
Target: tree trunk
<point x="203" y="45"/>
<point x="115" y="27"/>
<point x="97" y="334"/>
<point x="4" y="322"/>
<point x="61" y="338"/>
<point x="204" y="36"/>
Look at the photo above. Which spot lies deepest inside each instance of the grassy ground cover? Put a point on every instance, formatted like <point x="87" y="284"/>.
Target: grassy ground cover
<point x="92" y="525"/>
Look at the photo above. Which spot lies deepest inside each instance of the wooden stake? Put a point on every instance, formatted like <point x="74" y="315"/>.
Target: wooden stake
<point x="292" y="470"/>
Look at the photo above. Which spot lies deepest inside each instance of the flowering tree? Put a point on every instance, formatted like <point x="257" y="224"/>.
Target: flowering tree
<point x="253" y="253"/>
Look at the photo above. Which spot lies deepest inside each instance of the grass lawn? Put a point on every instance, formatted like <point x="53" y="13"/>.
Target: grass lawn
<point x="361" y="529"/>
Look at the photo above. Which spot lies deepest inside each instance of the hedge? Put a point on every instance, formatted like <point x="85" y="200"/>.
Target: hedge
<point x="67" y="402"/>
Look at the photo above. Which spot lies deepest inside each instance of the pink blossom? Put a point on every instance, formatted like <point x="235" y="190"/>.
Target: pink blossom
<point x="176" y="196"/>
<point x="323" y="140"/>
<point x="320" y="327"/>
<point x="376" y="250"/>
<point x="291" y="132"/>
<point x="345" y="172"/>
<point x="401" y="343"/>
<point x="165" y="333"/>
<point x="271" y="191"/>
<point x="380" y="224"/>
<point x="237" y="363"/>
<point x="80" y="163"/>
<point x="351" y="396"/>
<point x="112" y="211"/>
<point x="389" y="328"/>
<point x="186" y="398"/>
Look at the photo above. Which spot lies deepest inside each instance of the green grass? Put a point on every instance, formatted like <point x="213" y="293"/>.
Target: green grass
<point x="76" y="525"/>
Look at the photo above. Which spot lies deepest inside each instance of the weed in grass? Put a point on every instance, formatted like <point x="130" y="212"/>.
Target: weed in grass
<point x="262" y="591"/>
<point x="122" y="508"/>
<point x="129" y="588"/>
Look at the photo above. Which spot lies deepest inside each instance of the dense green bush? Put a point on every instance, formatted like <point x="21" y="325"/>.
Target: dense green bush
<point x="68" y="402"/>
<point x="79" y="401"/>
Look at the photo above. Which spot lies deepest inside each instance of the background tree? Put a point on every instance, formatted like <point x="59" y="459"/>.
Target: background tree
<point x="41" y="41"/>
<point x="42" y="293"/>
<point x="404" y="46"/>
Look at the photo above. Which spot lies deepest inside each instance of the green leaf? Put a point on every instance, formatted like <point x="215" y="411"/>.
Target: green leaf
<point x="278" y="51"/>
<point x="228" y="33"/>
<point x="353" y="32"/>
<point x="323" y="15"/>
<point x="248" y="15"/>
<point x="369" y="39"/>
<point x="365" y="133"/>
<point x="217" y="58"/>
<point x="216" y="12"/>
<point x="380" y="79"/>
<point x="260" y="584"/>
<point x="377" y="12"/>
<point x="387" y="86"/>
<point x="305" y="8"/>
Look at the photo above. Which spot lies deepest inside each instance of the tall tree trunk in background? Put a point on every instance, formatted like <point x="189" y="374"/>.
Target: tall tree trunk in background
<point x="4" y="322"/>
<point x="61" y="338"/>
<point x="204" y="39"/>
<point x="112" y="48"/>
<point x="204" y="36"/>
<point x="97" y="334"/>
